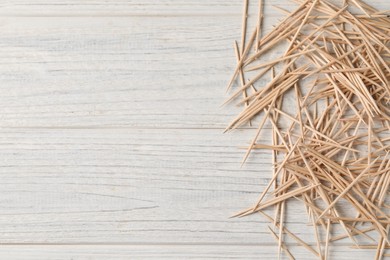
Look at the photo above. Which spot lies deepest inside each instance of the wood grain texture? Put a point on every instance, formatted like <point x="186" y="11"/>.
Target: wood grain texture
<point x="123" y="8"/>
<point x="111" y="143"/>
<point x="97" y="72"/>
<point x="116" y="252"/>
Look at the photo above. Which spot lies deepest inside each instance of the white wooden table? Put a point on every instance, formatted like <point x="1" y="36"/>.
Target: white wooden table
<point x="111" y="143"/>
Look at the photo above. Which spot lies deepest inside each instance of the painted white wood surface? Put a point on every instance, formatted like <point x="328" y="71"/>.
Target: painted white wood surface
<point x="111" y="143"/>
<point x="116" y="252"/>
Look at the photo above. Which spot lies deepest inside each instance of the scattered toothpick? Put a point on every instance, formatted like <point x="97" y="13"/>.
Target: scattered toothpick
<point x="329" y="146"/>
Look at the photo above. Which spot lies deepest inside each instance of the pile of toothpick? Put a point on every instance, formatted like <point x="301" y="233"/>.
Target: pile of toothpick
<point x="325" y="99"/>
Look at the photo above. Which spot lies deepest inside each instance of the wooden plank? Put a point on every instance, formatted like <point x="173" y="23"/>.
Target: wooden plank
<point x="96" y="252"/>
<point x="123" y="8"/>
<point x="101" y="72"/>
<point x="58" y="8"/>
<point x="139" y="186"/>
